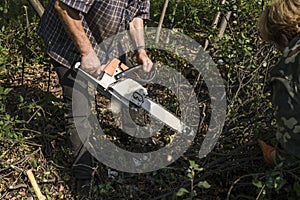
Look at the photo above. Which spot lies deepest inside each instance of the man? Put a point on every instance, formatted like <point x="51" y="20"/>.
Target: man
<point x="73" y="30"/>
<point x="279" y="23"/>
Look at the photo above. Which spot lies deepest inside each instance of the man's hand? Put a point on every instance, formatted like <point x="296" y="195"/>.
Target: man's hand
<point x="144" y="60"/>
<point x="91" y="63"/>
<point x="136" y="28"/>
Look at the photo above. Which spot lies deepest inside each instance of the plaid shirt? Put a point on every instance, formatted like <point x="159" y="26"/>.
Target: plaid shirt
<point x="101" y="19"/>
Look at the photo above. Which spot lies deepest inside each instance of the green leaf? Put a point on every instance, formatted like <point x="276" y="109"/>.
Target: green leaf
<point x="7" y="90"/>
<point x="47" y="173"/>
<point x="34" y="163"/>
<point x="181" y="192"/>
<point x="195" y="166"/>
<point x="203" y="184"/>
<point x="257" y="183"/>
<point x="21" y="99"/>
<point x="190" y="176"/>
<point x="297" y="188"/>
<point x="279" y="183"/>
<point x="270" y="183"/>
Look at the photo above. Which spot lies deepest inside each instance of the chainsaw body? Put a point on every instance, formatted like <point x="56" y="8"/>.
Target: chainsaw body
<point x="114" y="81"/>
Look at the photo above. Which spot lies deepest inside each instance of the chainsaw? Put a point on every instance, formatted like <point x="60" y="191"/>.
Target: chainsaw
<point x="115" y="82"/>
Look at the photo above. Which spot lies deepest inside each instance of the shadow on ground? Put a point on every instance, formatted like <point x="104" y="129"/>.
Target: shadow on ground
<point x="37" y="141"/>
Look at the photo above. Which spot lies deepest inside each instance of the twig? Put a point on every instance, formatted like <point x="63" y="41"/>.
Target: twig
<point x="7" y="150"/>
<point x="260" y="192"/>
<point x="25" y="43"/>
<point x="20" y="161"/>
<point x="16" y="168"/>
<point x="237" y="180"/>
<point x="53" y="180"/>
<point x="35" y="186"/>
<point x="32" y="144"/>
<point x="34" y="114"/>
<point x="14" y="187"/>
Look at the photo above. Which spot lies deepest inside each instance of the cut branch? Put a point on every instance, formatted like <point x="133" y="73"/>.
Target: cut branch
<point x="35" y="186"/>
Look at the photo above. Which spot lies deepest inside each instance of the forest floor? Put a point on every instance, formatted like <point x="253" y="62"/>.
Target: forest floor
<point x="234" y="170"/>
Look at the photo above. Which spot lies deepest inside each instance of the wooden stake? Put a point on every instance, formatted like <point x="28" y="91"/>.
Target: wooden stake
<point x="35" y="186"/>
<point x="24" y="52"/>
<point x="224" y="23"/>
<point x="161" y="20"/>
<point x="215" y="24"/>
<point x="38" y="7"/>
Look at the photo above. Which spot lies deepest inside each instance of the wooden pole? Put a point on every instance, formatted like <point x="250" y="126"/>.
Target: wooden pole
<point x="215" y="23"/>
<point x="217" y="17"/>
<point x="224" y="23"/>
<point x="24" y="52"/>
<point x="172" y="21"/>
<point x="163" y="13"/>
<point x="38" y="7"/>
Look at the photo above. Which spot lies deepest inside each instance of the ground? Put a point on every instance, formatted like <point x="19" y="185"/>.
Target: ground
<point x="234" y="170"/>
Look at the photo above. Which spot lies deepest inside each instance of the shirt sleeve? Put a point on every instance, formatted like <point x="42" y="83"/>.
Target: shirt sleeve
<point x="80" y="5"/>
<point x="144" y="9"/>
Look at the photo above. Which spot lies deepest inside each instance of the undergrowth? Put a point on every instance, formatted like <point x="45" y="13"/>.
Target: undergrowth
<point x="32" y="134"/>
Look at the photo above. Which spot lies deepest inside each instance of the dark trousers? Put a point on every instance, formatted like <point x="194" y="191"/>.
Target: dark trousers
<point x="79" y="109"/>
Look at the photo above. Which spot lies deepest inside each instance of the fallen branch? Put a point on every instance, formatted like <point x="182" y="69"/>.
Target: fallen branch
<point x="35" y="186"/>
<point x="15" y="187"/>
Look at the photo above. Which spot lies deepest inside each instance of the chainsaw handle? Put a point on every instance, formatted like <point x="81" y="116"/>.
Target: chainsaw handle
<point x="128" y="71"/>
<point x="77" y="65"/>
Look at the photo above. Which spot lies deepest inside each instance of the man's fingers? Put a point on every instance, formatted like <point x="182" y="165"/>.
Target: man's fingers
<point x="100" y="69"/>
<point x="147" y="66"/>
<point x="91" y="63"/>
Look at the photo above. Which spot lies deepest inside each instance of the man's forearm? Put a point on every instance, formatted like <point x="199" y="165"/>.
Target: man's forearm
<point x="136" y="29"/>
<point x="73" y="25"/>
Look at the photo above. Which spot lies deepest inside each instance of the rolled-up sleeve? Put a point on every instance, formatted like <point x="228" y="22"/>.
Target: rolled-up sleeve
<point x="80" y="5"/>
<point x="144" y="9"/>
